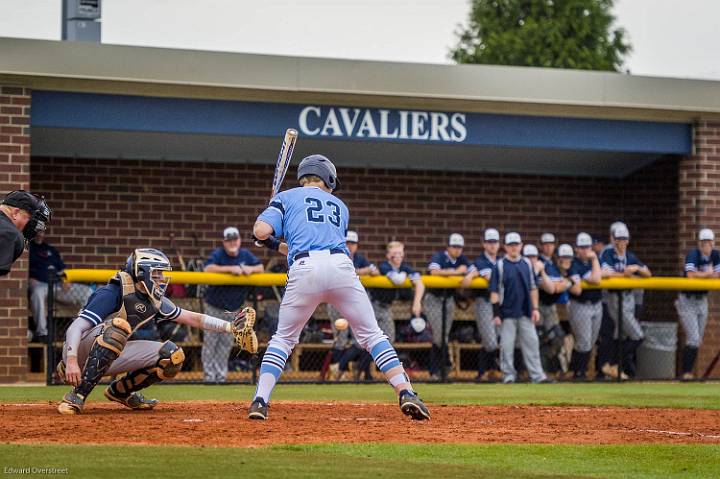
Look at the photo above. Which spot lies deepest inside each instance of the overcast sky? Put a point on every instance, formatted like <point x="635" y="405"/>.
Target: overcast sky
<point x="678" y="38"/>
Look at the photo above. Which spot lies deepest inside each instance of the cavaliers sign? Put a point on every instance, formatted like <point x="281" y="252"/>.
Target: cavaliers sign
<point x="339" y="122"/>
<point x="382" y="124"/>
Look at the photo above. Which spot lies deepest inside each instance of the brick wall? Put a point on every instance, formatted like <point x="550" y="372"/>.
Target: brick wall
<point x="14" y="174"/>
<point x="699" y="207"/>
<point x="651" y="209"/>
<point x="104" y="208"/>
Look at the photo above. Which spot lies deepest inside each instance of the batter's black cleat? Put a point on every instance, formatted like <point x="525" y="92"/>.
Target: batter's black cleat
<point x="258" y="410"/>
<point x="132" y="400"/>
<point x="412" y="406"/>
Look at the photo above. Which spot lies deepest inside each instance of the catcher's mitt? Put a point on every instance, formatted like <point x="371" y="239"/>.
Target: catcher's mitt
<point x="242" y="328"/>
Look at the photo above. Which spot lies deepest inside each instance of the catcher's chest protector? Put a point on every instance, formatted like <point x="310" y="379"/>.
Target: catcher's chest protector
<point x="136" y="310"/>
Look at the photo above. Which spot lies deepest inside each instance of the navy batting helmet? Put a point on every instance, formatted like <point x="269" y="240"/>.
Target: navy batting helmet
<point x="321" y="167"/>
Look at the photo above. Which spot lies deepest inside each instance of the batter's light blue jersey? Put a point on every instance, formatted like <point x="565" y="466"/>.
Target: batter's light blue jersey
<point x="309" y="219"/>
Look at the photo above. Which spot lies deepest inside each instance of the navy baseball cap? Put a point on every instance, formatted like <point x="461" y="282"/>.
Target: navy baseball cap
<point x="23" y="200"/>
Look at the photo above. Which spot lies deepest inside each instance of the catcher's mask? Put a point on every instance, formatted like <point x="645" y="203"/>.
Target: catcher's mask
<point x="35" y="205"/>
<point x="147" y="266"/>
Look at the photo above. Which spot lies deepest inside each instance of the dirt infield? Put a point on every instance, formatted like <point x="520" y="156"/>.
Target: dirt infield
<point x="224" y="424"/>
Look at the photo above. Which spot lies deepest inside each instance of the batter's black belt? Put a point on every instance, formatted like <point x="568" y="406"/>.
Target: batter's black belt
<point x="306" y="254"/>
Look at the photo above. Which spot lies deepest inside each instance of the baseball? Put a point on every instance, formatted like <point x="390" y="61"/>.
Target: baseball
<point x="341" y="324"/>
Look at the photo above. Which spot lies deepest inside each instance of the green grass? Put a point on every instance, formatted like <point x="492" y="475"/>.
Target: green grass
<point x="372" y="460"/>
<point x="675" y="395"/>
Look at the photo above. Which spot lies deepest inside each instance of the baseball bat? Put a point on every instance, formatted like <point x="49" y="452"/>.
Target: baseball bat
<point x="283" y="161"/>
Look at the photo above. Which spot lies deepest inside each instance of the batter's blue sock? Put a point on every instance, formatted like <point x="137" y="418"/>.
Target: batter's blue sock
<point x="388" y="363"/>
<point x="273" y="364"/>
<point x="385" y="356"/>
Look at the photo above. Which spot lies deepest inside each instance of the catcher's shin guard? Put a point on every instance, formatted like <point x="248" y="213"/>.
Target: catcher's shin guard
<point x="71" y="404"/>
<point x="104" y="351"/>
<point x="124" y="390"/>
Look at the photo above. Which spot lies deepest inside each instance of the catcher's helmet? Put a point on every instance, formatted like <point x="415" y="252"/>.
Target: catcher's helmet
<point x="147" y="266"/>
<point x="35" y="205"/>
<point x="321" y="167"/>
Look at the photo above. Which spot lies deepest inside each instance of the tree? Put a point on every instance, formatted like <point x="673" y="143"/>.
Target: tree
<point x="576" y="34"/>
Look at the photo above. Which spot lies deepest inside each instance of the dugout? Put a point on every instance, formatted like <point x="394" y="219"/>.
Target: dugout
<point x="130" y="145"/>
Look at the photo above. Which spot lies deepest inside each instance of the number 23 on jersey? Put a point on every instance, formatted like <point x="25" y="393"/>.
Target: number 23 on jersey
<point x="317" y="212"/>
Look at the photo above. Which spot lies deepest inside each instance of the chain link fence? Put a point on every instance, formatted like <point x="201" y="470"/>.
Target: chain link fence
<point x="617" y="337"/>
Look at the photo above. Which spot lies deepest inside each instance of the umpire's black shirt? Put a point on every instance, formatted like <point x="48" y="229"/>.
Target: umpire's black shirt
<point x="12" y="244"/>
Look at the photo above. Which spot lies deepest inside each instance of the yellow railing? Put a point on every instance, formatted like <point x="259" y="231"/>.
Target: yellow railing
<point x="279" y="279"/>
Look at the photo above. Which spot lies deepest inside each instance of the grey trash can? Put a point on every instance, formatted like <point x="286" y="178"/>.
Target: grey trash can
<point x="656" y="355"/>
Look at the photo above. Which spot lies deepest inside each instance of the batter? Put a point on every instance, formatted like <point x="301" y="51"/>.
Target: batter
<point x="314" y="223"/>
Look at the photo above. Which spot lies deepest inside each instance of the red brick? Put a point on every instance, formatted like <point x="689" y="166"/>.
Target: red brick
<point x="7" y="90"/>
<point x="11" y="110"/>
<point x="20" y="100"/>
<point x="15" y="168"/>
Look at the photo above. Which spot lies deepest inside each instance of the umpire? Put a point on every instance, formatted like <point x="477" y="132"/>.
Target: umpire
<point x="514" y="298"/>
<point x="23" y="215"/>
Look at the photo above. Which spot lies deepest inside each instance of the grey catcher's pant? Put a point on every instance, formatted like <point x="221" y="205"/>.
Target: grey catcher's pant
<point x="136" y="354"/>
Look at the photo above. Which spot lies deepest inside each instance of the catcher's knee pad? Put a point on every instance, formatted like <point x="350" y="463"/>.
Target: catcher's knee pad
<point x="115" y="335"/>
<point x="170" y="361"/>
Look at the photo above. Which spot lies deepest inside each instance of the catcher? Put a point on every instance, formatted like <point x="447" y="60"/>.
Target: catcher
<point x="98" y="338"/>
